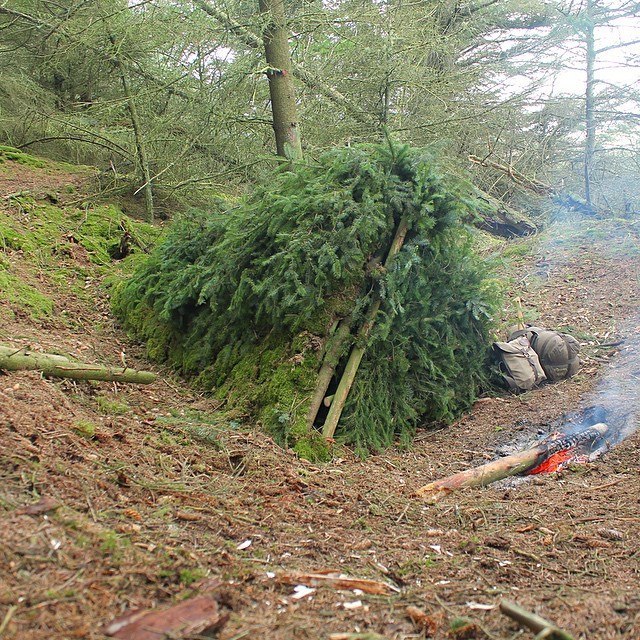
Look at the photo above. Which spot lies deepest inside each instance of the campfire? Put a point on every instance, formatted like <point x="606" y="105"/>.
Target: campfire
<point x="547" y="456"/>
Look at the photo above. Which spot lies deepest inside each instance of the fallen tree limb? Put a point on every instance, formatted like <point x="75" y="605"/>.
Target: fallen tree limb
<point x="499" y="219"/>
<point x="516" y="464"/>
<point x="61" y="367"/>
<point x="335" y="580"/>
<point x="536" y="186"/>
<point x="536" y="623"/>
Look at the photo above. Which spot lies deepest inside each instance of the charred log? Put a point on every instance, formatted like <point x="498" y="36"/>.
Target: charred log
<point x="517" y="464"/>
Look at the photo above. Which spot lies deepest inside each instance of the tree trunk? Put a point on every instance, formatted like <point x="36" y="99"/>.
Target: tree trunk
<point x="590" y="125"/>
<point x="61" y="367"/>
<point x="141" y="151"/>
<point x="248" y="37"/>
<point x="281" y="89"/>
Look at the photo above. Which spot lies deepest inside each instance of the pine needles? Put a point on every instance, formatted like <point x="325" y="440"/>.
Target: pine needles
<point x="246" y="298"/>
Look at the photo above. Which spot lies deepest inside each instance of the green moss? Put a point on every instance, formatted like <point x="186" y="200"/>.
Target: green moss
<point x="24" y="296"/>
<point x="312" y="446"/>
<point x="112" y="407"/>
<point x="85" y="428"/>
<point x="11" y="153"/>
<point x="189" y="576"/>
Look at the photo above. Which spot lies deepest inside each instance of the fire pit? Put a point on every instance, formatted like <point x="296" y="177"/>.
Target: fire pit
<point x="545" y="457"/>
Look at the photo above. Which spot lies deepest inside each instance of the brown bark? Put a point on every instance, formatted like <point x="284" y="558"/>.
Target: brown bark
<point x="199" y="616"/>
<point x="283" y="99"/>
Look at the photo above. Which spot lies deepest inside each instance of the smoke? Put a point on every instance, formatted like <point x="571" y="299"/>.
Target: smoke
<point x="616" y="398"/>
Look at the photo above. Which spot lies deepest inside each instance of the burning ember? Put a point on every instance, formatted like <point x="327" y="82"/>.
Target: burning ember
<point x="554" y="462"/>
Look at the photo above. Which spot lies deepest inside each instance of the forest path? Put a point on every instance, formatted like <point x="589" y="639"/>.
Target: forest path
<point x="154" y="497"/>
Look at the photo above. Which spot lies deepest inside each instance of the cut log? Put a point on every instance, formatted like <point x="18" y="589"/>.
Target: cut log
<point x="355" y="357"/>
<point x="536" y="623"/>
<point x="516" y="464"/>
<point x="61" y="367"/>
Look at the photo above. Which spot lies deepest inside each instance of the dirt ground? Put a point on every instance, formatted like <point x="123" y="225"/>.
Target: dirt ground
<point x="149" y="500"/>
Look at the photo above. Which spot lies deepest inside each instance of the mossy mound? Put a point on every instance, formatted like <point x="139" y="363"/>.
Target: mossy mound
<point x="11" y="153"/>
<point x="246" y="299"/>
<point x="58" y="247"/>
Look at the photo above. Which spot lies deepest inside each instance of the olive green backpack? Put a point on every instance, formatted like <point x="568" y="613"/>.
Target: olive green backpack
<point x="533" y="355"/>
<point x="558" y="352"/>
<point x="519" y="364"/>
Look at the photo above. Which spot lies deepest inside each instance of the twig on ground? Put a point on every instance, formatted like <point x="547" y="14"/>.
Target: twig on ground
<point x="7" y="618"/>
<point x="536" y="623"/>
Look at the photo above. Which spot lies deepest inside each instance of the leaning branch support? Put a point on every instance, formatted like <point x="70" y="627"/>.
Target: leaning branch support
<point x="61" y="367"/>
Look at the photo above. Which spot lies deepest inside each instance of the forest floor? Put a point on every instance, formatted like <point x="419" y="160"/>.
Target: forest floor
<point x="150" y="500"/>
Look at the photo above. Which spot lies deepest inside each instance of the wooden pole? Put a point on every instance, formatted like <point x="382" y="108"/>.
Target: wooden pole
<point x="355" y="358"/>
<point x="328" y="368"/>
<point x="61" y="367"/>
<point x="515" y="464"/>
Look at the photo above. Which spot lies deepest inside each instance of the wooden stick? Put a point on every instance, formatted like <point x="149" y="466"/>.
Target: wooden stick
<point x="536" y="623"/>
<point x="520" y="313"/>
<point x="355" y="358"/>
<point x="61" y="367"/>
<point x="512" y="465"/>
<point x="328" y="368"/>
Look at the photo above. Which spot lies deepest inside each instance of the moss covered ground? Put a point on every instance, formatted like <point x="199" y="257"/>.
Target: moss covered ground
<point x="47" y="247"/>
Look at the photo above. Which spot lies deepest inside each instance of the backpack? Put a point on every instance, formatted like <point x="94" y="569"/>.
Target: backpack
<point x="558" y="352"/>
<point x="519" y="364"/>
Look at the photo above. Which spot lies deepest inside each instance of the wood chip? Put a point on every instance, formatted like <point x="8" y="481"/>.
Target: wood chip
<point x="335" y="580"/>
<point x="187" y="517"/>
<point x="423" y="621"/>
<point x="191" y="617"/>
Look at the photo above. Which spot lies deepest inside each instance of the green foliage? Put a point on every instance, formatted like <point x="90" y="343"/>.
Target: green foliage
<point x="244" y="298"/>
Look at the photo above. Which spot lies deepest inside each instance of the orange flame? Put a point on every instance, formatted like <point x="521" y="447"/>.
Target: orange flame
<point x="552" y="463"/>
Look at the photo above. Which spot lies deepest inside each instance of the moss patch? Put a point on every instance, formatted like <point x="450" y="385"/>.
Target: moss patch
<point x="24" y="296"/>
<point x="11" y="153"/>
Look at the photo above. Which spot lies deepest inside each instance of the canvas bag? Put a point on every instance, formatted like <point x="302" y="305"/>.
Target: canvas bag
<point x="558" y="352"/>
<point x="519" y="363"/>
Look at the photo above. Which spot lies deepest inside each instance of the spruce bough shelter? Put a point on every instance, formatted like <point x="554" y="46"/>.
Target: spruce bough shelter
<point x="247" y="299"/>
